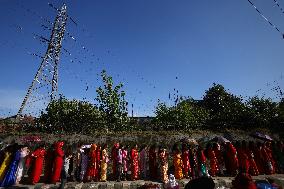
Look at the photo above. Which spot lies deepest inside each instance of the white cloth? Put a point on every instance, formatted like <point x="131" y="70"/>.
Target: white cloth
<point x="20" y="169"/>
<point x="172" y="182"/>
<point x="66" y="164"/>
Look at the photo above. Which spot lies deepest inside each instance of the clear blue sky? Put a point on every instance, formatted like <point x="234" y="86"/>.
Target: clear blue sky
<point x="184" y="45"/>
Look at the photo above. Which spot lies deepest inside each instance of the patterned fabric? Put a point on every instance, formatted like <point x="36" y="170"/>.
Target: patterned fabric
<point x="10" y="177"/>
<point x="134" y="164"/>
<point x="178" y="166"/>
<point x="5" y="164"/>
<point x="213" y="162"/>
<point x="164" y="166"/>
<point x="253" y="170"/>
<point x="92" y="171"/>
<point x="203" y="171"/>
<point x="125" y="160"/>
<point x="23" y="154"/>
<point x="104" y="165"/>
<point x="268" y="161"/>
<point x="186" y="162"/>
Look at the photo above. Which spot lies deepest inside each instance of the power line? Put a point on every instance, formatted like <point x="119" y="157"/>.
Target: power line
<point x="270" y="23"/>
<point x="281" y="9"/>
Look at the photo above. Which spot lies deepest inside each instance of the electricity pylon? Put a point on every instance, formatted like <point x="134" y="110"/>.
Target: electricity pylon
<point x="46" y="77"/>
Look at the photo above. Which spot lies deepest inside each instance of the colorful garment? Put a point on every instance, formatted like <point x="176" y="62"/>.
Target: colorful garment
<point x="203" y="171"/>
<point x="219" y="155"/>
<point x="193" y="163"/>
<point x="178" y="164"/>
<point x="92" y="171"/>
<point x="125" y="161"/>
<point x="258" y="158"/>
<point x="163" y="157"/>
<point x="5" y="165"/>
<point x="186" y="162"/>
<point x="58" y="162"/>
<point x="268" y="161"/>
<point x="231" y="160"/>
<point x="253" y="170"/>
<point x="10" y="176"/>
<point x="134" y="164"/>
<point x="97" y="178"/>
<point x="23" y="154"/>
<point x="213" y="162"/>
<point x="104" y="163"/>
<point x="243" y="161"/>
<point x="37" y="164"/>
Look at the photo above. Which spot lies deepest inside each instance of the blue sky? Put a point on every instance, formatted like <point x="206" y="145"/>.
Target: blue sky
<point x="155" y="47"/>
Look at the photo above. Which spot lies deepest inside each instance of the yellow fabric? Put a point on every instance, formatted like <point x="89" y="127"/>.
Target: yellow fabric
<point x="178" y="166"/>
<point x="5" y="165"/>
<point x="164" y="173"/>
<point x="104" y="166"/>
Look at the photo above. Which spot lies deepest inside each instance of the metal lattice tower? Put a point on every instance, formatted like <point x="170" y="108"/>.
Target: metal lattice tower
<point x="45" y="83"/>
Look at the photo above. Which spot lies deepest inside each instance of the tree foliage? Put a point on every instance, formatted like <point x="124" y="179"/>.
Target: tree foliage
<point x="112" y="102"/>
<point x="71" y="116"/>
<point x="75" y="116"/>
<point x="186" y="114"/>
<point x="224" y="107"/>
<point x="220" y="109"/>
<point x="263" y="112"/>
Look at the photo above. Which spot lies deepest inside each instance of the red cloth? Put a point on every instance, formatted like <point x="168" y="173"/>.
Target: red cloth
<point x="270" y="155"/>
<point x="28" y="161"/>
<point x="38" y="158"/>
<point x="268" y="160"/>
<point x="186" y="162"/>
<point x="243" y="161"/>
<point x="114" y="158"/>
<point x="134" y="164"/>
<point x="202" y="157"/>
<point x="259" y="160"/>
<point x="232" y="162"/>
<point x="58" y="162"/>
<point x="214" y="168"/>
<point x="92" y="171"/>
<point x="98" y="162"/>
<point x="253" y="170"/>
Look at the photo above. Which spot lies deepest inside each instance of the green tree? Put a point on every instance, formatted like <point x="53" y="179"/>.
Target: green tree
<point x="187" y="114"/>
<point x="70" y="116"/>
<point x="263" y="112"/>
<point x="225" y="108"/>
<point x="281" y="111"/>
<point x="112" y="102"/>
